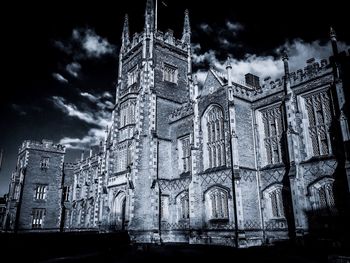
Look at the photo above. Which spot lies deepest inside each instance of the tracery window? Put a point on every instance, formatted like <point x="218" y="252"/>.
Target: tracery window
<point x="170" y="73"/>
<point x="185" y="213"/>
<point x="218" y="203"/>
<point x="323" y="196"/>
<point x="214" y="140"/>
<point x="319" y="117"/>
<point x="133" y="75"/>
<point x="274" y="202"/>
<point x="272" y="122"/>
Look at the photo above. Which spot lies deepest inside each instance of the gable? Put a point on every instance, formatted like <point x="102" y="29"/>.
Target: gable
<point x="211" y="83"/>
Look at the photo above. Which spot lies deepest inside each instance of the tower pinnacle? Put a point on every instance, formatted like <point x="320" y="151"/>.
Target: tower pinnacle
<point x="149" y="16"/>
<point x="333" y="37"/>
<point x="186" y="35"/>
<point x="125" y="34"/>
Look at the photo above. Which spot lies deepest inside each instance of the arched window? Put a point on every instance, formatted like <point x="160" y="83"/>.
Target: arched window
<point x="319" y="115"/>
<point x="322" y="196"/>
<point x="217" y="203"/>
<point x="274" y="202"/>
<point x="213" y="135"/>
<point x="183" y="207"/>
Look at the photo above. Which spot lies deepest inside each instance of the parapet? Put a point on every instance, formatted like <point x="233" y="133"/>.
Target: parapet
<point x="44" y="145"/>
<point x="69" y="166"/>
<point x="313" y="69"/>
<point x="169" y="38"/>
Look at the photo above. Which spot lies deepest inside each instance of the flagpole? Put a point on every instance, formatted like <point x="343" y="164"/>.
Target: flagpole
<point x="156" y="18"/>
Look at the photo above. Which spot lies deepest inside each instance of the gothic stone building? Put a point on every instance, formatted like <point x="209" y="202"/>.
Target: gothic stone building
<point x="226" y="163"/>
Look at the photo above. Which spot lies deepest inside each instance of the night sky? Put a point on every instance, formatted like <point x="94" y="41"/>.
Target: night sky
<point x="60" y="57"/>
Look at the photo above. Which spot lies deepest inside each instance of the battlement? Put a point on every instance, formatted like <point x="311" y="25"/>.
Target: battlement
<point x="312" y="70"/>
<point x="44" y="145"/>
<point x="168" y="38"/>
<point x="69" y="166"/>
<point x="86" y="161"/>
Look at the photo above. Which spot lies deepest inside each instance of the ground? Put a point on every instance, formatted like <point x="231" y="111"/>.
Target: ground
<point x="92" y="247"/>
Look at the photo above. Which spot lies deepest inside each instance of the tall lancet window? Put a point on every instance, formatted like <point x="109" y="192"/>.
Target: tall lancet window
<point x="319" y="116"/>
<point x="272" y="121"/>
<point x="214" y="139"/>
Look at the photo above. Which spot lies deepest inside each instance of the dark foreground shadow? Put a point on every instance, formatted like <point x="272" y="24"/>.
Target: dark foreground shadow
<point x="116" y="247"/>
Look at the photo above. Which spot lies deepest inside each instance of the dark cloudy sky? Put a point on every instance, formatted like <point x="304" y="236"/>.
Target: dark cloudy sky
<point x="59" y="58"/>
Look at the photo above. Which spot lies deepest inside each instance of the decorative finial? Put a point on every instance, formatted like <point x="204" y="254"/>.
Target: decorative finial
<point x="228" y="63"/>
<point x="285" y="55"/>
<point x="332" y="34"/>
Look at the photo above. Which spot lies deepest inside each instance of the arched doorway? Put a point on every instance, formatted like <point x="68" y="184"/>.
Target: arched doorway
<point x="118" y="216"/>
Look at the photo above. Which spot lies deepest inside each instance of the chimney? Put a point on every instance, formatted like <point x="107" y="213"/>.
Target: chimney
<point x="252" y="80"/>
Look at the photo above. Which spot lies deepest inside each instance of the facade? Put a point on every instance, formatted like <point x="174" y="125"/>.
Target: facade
<point x="229" y="163"/>
<point x="35" y="189"/>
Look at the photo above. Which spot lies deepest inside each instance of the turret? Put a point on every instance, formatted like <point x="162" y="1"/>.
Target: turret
<point x="228" y="69"/>
<point x="333" y="38"/>
<point x="286" y="83"/>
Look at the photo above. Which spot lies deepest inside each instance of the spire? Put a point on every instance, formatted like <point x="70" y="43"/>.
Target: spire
<point x="186" y="35"/>
<point x="333" y="37"/>
<point x="125" y="34"/>
<point x="149" y="16"/>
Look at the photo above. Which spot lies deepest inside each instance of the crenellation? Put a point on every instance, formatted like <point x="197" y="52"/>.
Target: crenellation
<point x="168" y="38"/>
<point x="44" y="145"/>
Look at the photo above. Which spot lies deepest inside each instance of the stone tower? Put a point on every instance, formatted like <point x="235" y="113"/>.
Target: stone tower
<point x="35" y="188"/>
<point x="152" y="82"/>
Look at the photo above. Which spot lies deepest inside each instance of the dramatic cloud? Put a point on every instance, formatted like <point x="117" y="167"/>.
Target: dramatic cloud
<point x="89" y="96"/>
<point x="205" y="28"/>
<point x="85" y="43"/>
<point x="102" y="101"/>
<point x="59" y="78"/>
<point x="93" y="109"/>
<point x="72" y="110"/>
<point x="98" y="115"/>
<point x="107" y="95"/>
<point x="234" y="27"/>
<point x="93" y="137"/>
<point x="94" y="45"/>
<point x="264" y="66"/>
<point x="73" y="69"/>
